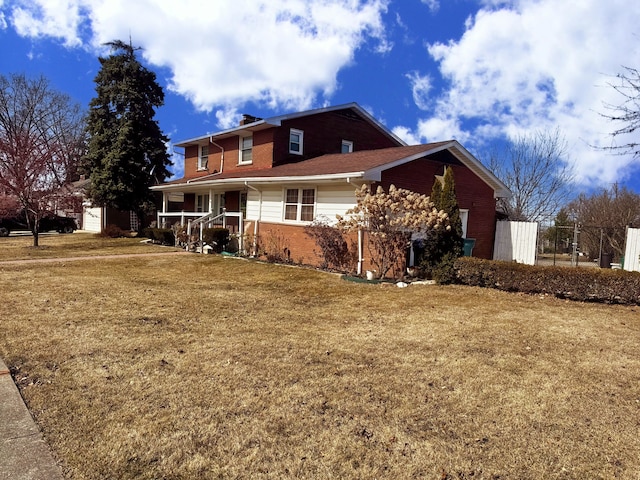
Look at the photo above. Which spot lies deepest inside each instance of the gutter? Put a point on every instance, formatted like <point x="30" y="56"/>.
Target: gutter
<point x="221" y="163"/>
<point x="360" y="236"/>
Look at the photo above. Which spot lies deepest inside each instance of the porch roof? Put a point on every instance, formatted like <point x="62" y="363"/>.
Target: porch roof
<point x="365" y="165"/>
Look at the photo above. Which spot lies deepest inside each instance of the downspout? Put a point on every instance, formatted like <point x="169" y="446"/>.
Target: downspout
<point x="360" y="237"/>
<point x="221" y="156"/>
<point x="254" y="247"/>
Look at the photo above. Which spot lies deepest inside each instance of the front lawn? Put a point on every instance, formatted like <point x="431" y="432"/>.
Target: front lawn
<point x="55" y="245"/>
<point x="202" y="366"/>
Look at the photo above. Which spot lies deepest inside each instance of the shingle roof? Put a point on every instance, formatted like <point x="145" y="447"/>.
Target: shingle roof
<point x="359" y="161"/>
<point x="366" y="164"/>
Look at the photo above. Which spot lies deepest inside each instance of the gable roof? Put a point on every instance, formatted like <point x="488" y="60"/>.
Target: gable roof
<point x="265" y="123"/>
<point x="363" y="165"/>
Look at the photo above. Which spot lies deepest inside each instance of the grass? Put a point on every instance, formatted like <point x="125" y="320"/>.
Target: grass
<point x="208" y="367"/>
<point x="78" y="244"/>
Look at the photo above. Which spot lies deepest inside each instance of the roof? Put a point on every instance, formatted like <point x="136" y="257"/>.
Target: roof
<point x="364" y="165"/>
<point x="276" y="121"/>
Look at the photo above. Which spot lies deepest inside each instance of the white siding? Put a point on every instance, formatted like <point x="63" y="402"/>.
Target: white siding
<point x="92" y="219"/>
<point x="271" y="205"/>
<point x="334" y="200"/>
<point x="516" y="241"/>
<point x="331" y="200"/>
<point x="632" y="250"/>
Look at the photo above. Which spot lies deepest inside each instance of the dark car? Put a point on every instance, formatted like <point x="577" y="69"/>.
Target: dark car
<point x="48" y="222"/>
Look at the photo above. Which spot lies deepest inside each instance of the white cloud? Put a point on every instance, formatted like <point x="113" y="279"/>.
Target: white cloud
<point x="534" y="65"/>
<point x="53" y="18"/>
<point x="433" y="5"/>
<point x="225" y="53"/>
<point x="421" y="86"/>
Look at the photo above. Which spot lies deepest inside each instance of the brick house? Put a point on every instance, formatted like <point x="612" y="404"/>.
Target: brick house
<point x="271" y="177"/>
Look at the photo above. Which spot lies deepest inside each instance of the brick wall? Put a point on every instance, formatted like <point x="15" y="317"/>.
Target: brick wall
<point x="323" y="134"/>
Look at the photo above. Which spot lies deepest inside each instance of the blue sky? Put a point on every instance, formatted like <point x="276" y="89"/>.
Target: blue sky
<point x="474" y="70"/>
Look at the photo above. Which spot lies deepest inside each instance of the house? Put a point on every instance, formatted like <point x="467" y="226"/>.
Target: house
<point x="268" y="178"/>
<point x="96" y="219"/>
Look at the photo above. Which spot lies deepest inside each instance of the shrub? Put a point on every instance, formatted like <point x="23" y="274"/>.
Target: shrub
<point x="163" y="236"/>
<point x="113" y="231"/>
<point x="275" y="247"/>
<point x="217" y="237"/>
<point x="582" y="284"/>
<point x="336" y="253"/>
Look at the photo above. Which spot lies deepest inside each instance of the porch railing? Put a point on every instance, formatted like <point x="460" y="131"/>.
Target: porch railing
<point x="198" y="220"/>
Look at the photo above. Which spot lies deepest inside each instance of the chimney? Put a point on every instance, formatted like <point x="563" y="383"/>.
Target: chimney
<point x="246" y="119"/>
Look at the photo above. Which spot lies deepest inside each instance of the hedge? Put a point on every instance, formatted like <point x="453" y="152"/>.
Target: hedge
<point x="582" y="284"/>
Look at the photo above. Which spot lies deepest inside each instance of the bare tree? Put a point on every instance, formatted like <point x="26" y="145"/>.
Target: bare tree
<point x="42" y="135"/>
<point x="626" y="114"/>
<point x="535" y="169"/>
<point x="603" y="218"/>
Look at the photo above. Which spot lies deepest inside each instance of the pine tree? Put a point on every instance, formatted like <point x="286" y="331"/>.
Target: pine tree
<point x="441" y="247"/>
<point x="127" y="150"/>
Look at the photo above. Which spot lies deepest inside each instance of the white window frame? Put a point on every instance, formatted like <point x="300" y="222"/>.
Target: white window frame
<point x="203" y="202"/>
<point x="300" y="142"/>
<point x="298" y="204"/>
<point x="203" y="157"/>
<point x="242" y="149"/>
<point x="348" y="144"/>
<point x="464" y="219"/>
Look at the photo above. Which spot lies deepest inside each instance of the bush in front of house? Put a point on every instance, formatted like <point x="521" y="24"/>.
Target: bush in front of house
<point x="217" y="237"/>
<point x="163" y="236"/>
<point x="582" y="284"/>
<point x="335" y="251"/>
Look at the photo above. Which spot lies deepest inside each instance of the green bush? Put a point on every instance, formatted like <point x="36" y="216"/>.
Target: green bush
<point x="217" y="237"/>
<point x="582" y="284"/>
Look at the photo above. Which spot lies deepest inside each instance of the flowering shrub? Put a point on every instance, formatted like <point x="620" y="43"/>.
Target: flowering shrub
<point x="390" y="219"/>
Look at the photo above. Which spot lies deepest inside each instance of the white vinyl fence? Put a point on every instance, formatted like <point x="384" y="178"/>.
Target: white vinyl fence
<point x="516" y="241"/>
<point x="632" y="250"/>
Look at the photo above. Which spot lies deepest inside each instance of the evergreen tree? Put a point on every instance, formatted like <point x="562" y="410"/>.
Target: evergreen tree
<point x="127" y="150"/>
<point x="440" y="248"/>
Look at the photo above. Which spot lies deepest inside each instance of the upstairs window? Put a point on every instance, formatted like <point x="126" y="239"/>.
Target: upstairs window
<point x="246" y="150"/>
<point x="347" y="146"/>
<point x="300" y="204"/>
<point x="203" y="158"/>
<point x="295" y="141"/>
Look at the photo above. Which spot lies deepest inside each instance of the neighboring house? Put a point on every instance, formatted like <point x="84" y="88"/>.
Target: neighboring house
<point x="96" y="219"/>
<point x="271" y="177"/>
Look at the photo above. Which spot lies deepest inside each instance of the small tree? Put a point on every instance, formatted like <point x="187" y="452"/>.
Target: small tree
<point x="41" y="140"/>
<point x="336" y="251"/>
<point x="389" y="219"/>
<point x="127" y="150"/>
<point x="441" y="247"/>
<point x="603" y="217"/>
<point x="561" y="233"/>
<point x="626" y="114"/>
<point x="535" y="169"/>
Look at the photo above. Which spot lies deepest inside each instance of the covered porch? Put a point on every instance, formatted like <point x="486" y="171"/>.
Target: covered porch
<point x="204" y="208"/>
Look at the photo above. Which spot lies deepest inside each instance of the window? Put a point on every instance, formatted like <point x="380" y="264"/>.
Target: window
<point x="203" y="158"/>
<point x="246" y="150"/>
<point x="202" y="203"/>
<point x="464" y="218"/>
<point x="299" y="204"/>
<point x="295" y="141"/>
<point x="347" y="146"/>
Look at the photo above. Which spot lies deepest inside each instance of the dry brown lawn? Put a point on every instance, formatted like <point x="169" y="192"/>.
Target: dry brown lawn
<point x="53" y="245"/>
<point x="205" y="367"/>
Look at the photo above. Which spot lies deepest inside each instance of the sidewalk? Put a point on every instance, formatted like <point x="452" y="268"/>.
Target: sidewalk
<point x="23" y="453"/>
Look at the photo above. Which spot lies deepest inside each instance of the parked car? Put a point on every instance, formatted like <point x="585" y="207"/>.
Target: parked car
<point x="49" y="222"/>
